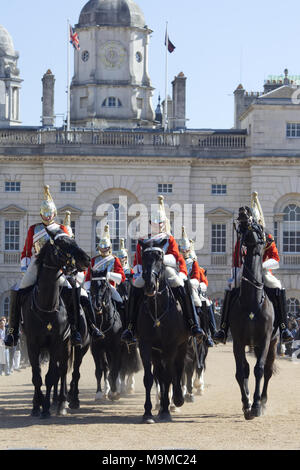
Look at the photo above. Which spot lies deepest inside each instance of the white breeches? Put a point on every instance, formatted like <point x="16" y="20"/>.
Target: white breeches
<point x="171" y="276"/>
<point x="30" y="277"/>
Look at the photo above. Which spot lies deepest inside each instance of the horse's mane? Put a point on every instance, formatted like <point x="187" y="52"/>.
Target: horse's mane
<point x="40" y="257"/>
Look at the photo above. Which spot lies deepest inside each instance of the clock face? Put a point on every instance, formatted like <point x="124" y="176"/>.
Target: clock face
<point x="85" y="56"/>
<point x="139" y="57"/>
<point x="113" y="54"/>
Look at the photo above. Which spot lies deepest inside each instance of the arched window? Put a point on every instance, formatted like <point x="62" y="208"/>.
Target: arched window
<point x="291" y="229"/>
<point x="117" y="220"/>
<point x="111" y="102"/>
<point x="293" y="307"/>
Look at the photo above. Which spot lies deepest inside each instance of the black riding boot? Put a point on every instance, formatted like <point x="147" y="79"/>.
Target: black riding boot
<point x="184" y="295"/>
<point x="221" y="335"/>
<point x="133" y="305"/>
<point x="14" y="318"/>
<point x="95" y="333"/>
<point x="72" y="304"/>
<point x="278" y="299"/>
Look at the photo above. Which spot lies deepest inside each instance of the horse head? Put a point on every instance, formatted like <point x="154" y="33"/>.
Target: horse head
<point x="62" y="252"/>
<point x="100" y="292"/>
<point x="251" y="233"/>
<point x="153" y="267"/>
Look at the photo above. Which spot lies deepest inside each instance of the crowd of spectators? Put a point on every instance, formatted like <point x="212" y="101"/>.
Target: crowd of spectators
<point x="11" y="359"/>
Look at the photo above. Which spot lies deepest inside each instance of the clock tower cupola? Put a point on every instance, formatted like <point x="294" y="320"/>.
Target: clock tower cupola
<point x="111" y="86"/>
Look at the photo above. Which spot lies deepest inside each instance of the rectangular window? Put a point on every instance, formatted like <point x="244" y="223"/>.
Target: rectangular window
<point x="164" y="188"/>
<point x="218" y="189"/>
<point x="293" y="129"/>
<point x="276" y="233"/>
<point x="12" y="186"/>
<point x="218" y="238"/>
<point x="12" y="235"/>
<point x="68" y="187"/>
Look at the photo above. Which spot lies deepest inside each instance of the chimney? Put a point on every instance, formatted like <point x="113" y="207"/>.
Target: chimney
<point x="179" y="102"/>
<point x="48" y="99"/>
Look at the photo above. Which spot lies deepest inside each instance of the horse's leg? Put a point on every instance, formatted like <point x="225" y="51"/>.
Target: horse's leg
<point x="99" y="397"/>
<point x="38" y="398"/>
<point x="130" y="383"/>
<point x="177" y="369"/>
<point x="50" y="380"/>
<point x="242" y="376"/>
<point x="268" y="372"/>
<point x="189" y="372"/>
<point x="145" y="352"/>
<point x="114" y="370"/>
<point x="63" y="370"/>
<point x="74" y="402"/>
<point x="259" y="369"/>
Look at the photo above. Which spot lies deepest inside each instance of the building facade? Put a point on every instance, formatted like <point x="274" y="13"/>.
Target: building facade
<point x="117" y="153"/>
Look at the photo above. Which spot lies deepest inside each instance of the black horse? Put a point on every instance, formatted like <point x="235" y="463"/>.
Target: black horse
<point x="251" y="318"/>
<point x="45" y="322"/>
<point x="162" y="334"/>
<point x="106" y="353"/>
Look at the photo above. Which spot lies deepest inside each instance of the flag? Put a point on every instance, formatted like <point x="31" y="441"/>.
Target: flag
<point x="171" y="46"/>
<point x="74" y="39"/>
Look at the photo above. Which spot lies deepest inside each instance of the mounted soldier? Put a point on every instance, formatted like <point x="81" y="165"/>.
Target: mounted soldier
<point x="37" y="236"/>
<point x="176" y="274"/>
<point x="272" y="285"/>
<point x="106" y="264"/>
<point x="82" y="297"/>
<point x="199" y="283"/>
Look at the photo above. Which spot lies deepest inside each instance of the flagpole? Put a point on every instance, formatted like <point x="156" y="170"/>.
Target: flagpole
<point x="166" y="81"/>
<point x="68" y="84"/>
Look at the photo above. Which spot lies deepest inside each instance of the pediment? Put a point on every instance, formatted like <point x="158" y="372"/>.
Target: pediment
<point x="12" y="209"/>
<point x="220" y="212"/>
<point x="285" y="91"/>
<point x="75" y="211"/>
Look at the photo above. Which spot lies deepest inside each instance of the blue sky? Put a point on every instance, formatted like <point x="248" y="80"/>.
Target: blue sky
<point x="218" y="45"/>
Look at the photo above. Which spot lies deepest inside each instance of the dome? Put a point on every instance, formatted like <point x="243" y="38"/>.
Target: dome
<point x="111" y="13"/>
<point x="6" y="43"/>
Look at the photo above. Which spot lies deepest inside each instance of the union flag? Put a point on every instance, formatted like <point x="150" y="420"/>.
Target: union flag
<point x="74" y="39"/>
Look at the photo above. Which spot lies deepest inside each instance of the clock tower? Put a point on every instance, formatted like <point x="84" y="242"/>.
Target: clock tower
<point x="111" y="87"/>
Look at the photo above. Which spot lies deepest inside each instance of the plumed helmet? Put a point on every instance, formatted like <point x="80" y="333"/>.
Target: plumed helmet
<point x="184" y="244"/>
<point x="192" y="251"/>
<point x="123" y="253"/>
<point x="67" y="223"/>
<point x="105" y="241"/>
<point x="158" y="214"/>
<point x="256" y="209"/>
<point x="48" y="210"/>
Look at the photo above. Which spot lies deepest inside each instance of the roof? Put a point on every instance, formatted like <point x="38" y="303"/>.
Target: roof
<point x="111" y="13"/>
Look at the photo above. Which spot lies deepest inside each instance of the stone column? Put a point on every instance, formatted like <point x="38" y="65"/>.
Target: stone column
<point x="48" y="99"/>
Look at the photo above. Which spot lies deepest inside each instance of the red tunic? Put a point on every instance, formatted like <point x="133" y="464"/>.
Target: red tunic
<point x="118" y="268"/>
<point x="172" y="250"/>
<point x="28" y="249"/>
<point x="270" y="253"/>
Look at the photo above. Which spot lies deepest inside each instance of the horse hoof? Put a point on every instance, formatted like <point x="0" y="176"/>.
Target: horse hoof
<point x="114" y="396"/>
<point x="189" y="398"/>
<point x="35" y="413"/>
<point x="165" y="417"/>
<point x="45" y="415"/>
<point x="100" y="397"/>
<point x="178" y="401"/>
<point x="248" y="414"/>
<point x="256" y="411"/>
<point x="74" y="405"/>
<point x="148" y="420"/>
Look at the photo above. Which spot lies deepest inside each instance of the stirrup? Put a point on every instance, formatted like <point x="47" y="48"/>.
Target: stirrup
<point x="128" y="337"/>
<point x="286" y="336"/>
<point x="12" y="338"/>
<point x="197" y="331"/>
<point x="96" y="334"/>
<point x="220" y="336"/>
<point x="76" y="339"/>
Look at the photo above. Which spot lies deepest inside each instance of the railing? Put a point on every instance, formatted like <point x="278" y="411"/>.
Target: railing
<point x="209" y="140"/>
<point x="219" y="260"/>
<point x="10" y="257"/>
<point x="292" y="260"/>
